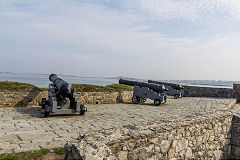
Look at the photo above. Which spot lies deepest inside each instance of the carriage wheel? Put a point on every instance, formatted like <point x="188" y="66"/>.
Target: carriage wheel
<point x="135" y="100"/>
<point x="176" y="96"/>
<point x="143" y="100"/>
<point x="157" y="102"/>
<point x="83" y="109"/>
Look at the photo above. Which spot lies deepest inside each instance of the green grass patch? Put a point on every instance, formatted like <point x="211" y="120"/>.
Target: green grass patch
<point x="7" y="86"/>
<point x="8" y="156"/>
<point x="33" y="154"/>
<point x="30" y="155"/>
<point x="43" y="89"/>
<point x="120" y="87"/>
<point x="95" y="88"/>
<point x="59" y="151"/>
<point x="91" y="88"/>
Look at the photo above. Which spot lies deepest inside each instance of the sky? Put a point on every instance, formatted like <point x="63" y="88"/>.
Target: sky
<point x="149" y="39"/>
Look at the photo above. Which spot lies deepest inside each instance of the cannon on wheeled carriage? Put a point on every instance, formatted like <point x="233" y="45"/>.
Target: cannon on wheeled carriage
<point x="175" y="90"/>
<point x="61" y="98"/>
<point x="142" y="91"/>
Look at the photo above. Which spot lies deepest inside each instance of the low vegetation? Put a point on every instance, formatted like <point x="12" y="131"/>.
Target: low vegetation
<point x="59" y="151"/>
<point x="95" y="88"/>
<point x="17" y="86"/>
<point x="34" y="155"/>
<point x="29" y="155"/>
<point x="120" y="87"/>
<point x="6" y="86"/>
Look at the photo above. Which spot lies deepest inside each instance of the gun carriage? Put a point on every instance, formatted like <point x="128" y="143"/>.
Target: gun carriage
<point x="142" y="91"/>
<point x="61" y="98"/>
<point x="175" y="90"/>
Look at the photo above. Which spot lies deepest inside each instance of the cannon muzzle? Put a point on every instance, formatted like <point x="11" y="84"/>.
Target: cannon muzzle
<point x="65" y="89"/>
<point x="173" y="85"/>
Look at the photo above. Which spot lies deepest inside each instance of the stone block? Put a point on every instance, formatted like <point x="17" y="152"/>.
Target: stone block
<point x="8" y="138"/>
<point x="42" y="137"/>
<point x="164" y="146"/>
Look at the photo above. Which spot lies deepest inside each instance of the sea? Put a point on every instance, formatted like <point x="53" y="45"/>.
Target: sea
<point x="41" y="80"/>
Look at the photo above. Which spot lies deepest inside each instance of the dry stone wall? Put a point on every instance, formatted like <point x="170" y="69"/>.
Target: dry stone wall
<point x="21" y="98"/>
<point x="197" y="91"/>
<point x="32" y="98"/>
<point x="235" y="138"/>
<point x="236" y="89"/>
<point x="203" y="136"/>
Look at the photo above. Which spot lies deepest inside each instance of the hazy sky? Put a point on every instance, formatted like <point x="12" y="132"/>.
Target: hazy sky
<point x="151" y="39"/>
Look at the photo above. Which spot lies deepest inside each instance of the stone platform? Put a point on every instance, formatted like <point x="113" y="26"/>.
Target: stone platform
<point x="24" y="128"/>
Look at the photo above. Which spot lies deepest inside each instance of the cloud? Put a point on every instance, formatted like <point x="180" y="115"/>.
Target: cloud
<point x="194" y="10"/>
<point x="143" y="38"/>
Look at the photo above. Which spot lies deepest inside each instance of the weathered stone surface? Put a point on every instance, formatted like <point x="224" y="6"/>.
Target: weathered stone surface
<point x="164" y="145"/>
<point x="33" y="98"/>
<point x="199" y="91"/>
<point x="235" y="138"/>
<point x="123" y="155"/>
<point x="8" y="138"/>
<point x="21" y="98"/>
<point x="236" y="91"/>
<point x="189" y="153"/>
<point x="161" y="147"/>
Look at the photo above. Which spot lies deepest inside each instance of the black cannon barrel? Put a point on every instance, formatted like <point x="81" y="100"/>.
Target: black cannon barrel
<point x="65" y="89"/>
<point x="173" y="85"/>
<point x="155" y="87"/>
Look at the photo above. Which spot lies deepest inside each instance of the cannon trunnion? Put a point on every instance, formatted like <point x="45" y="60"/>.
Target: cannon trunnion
<point x="61" y="99"/>
<point x="142" y="91"/>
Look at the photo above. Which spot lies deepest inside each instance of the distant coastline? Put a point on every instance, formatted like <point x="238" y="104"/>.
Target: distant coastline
<point x="41" y="80"/>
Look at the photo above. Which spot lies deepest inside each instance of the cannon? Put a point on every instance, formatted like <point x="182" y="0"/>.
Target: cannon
<point x="175" y="90"/>
<point x="61" y="98"/>
<point x="142" y="91"/>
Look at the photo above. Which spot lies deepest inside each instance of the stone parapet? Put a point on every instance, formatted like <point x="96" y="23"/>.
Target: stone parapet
<point x="21" y="98"/>
<point x="199" y="91"/>
<point x="235" y="138"/>
<point x="33" y="98"/>
<point x="236" y="89"/>
<point x="201" y="136"/>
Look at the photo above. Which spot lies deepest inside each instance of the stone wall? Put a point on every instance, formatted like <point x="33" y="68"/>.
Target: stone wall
<point x="21" y="98"/>
<point x="236" y="89"/>
<point x="32" y="98"/>
<point x="197" y="91"/>
<point x="203" y="136"/>
<point x="105" y="97"/>
<point x="235" y="138"/>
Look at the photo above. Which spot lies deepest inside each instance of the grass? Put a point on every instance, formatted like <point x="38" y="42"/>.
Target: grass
<point x="90" y="88"/>
<point x="8" y="156"/>
<point x="59" y="151"/>
<point x="95" y="88"/>
<point x="6" y="86"/>
<point x="17" y="86"/>
<point x="120" y="87"/>
<point x="29" y="155"/>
